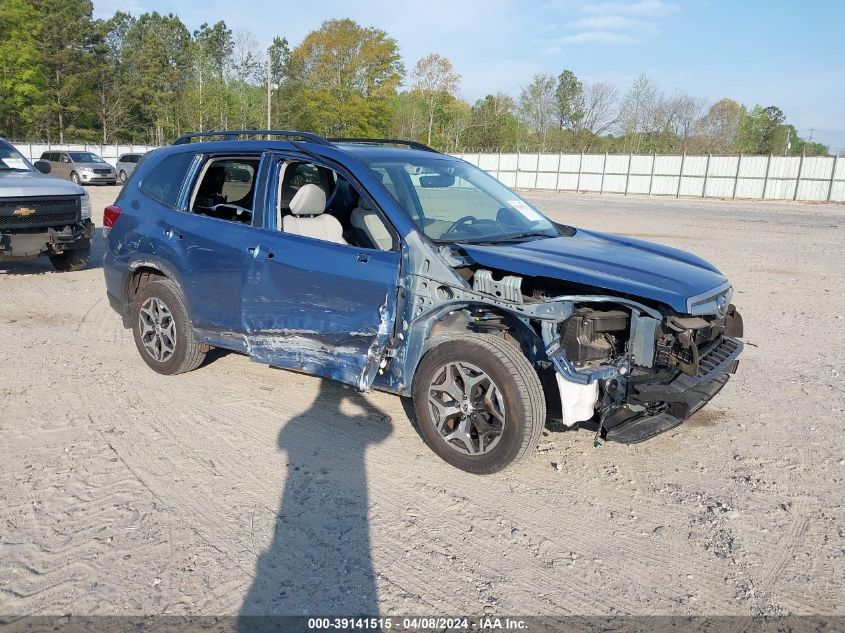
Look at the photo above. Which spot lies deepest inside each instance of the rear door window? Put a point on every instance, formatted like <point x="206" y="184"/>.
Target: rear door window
<point x="164" y="181"/>
<point x="226" y="189"/>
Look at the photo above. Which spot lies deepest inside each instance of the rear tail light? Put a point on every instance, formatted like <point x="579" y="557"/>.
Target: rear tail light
<point x="110" y="215"/>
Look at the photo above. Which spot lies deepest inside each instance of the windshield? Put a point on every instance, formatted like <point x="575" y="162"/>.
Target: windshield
<point x="85" y="157"/>
<point x="453" y="201"/>
<point x="13" y="160"/>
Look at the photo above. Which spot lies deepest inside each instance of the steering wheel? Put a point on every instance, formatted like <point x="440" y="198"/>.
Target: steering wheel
<point x="467" y="219"/>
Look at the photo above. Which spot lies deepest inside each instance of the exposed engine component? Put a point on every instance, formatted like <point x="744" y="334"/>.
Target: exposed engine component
<point x="685" y="340"/>
<point x="485" y="322"/>
<point x="508" y="289"/>
<point x="587" y="335"/>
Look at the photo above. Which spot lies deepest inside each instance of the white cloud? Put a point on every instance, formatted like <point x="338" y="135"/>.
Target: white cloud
<point x="598" y="37"/>
<point x="650" y="8"/>
<point x="613" y="23"/>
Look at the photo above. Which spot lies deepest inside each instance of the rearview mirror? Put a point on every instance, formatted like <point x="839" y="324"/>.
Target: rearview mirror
<point x="441" y="181"/>
<point x="43" y="166"/>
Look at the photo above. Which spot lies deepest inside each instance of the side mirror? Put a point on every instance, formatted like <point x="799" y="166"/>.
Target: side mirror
<point x="441" y="181"/>
<point x="43" y="166"/>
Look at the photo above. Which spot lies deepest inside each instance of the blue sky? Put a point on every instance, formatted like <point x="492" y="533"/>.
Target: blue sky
<point x="775" y="52"/>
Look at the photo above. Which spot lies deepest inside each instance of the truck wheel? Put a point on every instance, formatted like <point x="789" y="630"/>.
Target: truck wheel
<point x="122" y="176"/>
<point x="479" y="403"/>
<point x="70" y="260"/>
<point x="162" y="330"/>
<point x="74" y="177"/>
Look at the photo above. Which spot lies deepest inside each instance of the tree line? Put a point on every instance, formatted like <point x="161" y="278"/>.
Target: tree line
<point x="67" y="77"/>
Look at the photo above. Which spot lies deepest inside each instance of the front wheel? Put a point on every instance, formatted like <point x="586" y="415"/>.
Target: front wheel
<point x="74" y="177"/>
<point x="70" y="260"/>
<point x="479" y="403"/>
<point x="162" y="330"/>
<point x="122" y="177"/>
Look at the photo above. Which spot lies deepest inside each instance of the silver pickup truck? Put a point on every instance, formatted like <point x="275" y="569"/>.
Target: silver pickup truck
<point x="41" y="215"/>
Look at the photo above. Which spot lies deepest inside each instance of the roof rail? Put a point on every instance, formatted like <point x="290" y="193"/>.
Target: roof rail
<point x="228" y="135"/>
<point x="384" y="141"/>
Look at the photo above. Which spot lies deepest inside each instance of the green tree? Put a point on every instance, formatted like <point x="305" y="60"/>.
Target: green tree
<point x="760" y="131"/>
<point x="279" y="55"/>
<point x="157" y="69"/>
<point x="495" y="125"/>
<point x="106" y="93"/>
<point x="720" y="126"/>
<point x="569" y="97"/>
<point x="408" y="116"/>
<point x="344" y="77"/>
<point x="436" y="83"/>
<point x="66" y="37"/>
<point x="537" y="106"/>
<point x="22" y="82"/>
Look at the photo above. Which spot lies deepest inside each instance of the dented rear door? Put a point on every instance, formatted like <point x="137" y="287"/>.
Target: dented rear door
<point x="324" y="308"/>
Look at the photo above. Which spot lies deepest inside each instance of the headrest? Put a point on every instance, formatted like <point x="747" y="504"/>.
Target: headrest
<point x="362" y="204"/>
<point x="309" y="200"/>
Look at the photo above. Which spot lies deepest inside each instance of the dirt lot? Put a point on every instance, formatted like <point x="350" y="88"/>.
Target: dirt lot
<point x="240" y="488"/>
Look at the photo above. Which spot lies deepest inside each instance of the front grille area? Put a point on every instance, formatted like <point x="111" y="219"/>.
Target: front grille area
<point x="104" y="172"/>
<point x="45" y="219"/>
<point x="717" y="357"/>
<point x="48" y="211"/>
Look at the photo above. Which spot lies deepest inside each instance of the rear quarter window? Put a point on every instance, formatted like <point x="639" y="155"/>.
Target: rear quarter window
<point x="164" y="181"/>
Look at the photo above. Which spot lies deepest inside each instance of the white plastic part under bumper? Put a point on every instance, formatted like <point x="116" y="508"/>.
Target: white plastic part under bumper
<point x="578" y="402"/>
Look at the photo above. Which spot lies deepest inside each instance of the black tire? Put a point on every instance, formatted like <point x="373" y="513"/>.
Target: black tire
<point x="187" y="353"/>
<point x="70" y="260"/>
<point x="74" y="177"/>
<point x="520" y="388"/>
<point x="122" y="177"/>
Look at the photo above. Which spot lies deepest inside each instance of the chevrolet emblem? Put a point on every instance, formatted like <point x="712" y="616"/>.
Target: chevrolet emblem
<point x="23" y="211"/>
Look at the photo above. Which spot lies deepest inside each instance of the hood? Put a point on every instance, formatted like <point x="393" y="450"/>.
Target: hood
<point x="18" y="184"/>
<point x="614" y="263"/>
<point x="94" y="166"/>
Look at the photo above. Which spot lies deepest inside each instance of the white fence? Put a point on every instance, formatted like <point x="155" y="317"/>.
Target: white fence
<point x="110" y="153"/>
<point x="819" y="178"/>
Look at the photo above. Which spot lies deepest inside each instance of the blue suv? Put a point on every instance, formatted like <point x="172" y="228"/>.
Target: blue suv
<point x="386" y="265"/>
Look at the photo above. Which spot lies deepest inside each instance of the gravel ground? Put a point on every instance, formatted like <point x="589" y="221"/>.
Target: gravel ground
<point x="242" y="489"/>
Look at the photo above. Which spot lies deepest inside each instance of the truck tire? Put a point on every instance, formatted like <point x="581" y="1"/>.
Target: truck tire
<point x="478" y="402"/>
<point x="162" y="330"/>
<point x="70" y="260"/>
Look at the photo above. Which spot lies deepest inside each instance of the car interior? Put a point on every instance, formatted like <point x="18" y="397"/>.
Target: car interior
<point x="316" y="201"/>
<point x="227" y="189"/>
<point x="313" y="201"/>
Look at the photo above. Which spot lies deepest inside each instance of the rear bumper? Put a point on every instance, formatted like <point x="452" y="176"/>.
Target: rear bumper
<point x="655" y="407"/>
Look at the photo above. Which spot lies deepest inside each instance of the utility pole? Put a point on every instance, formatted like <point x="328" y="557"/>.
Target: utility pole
<point x="269" y="89"/>
<point x="786" y="147"/>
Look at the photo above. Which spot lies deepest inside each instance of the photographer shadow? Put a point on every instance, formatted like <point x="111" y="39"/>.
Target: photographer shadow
<point x="319" y="561"/>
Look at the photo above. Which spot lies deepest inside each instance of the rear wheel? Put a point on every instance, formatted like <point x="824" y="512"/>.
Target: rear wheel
<point x="479" y="403"/>
<point x="71" y="260"/>
<point x="162" y="330"/>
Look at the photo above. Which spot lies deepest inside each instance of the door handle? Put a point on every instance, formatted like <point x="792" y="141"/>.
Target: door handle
<point x="362" y="258"/>
<point x="168" y="232"/>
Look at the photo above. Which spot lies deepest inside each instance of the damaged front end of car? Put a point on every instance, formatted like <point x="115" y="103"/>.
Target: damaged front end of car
<point x="627" y="366"/>
<point x="643" y="372"/>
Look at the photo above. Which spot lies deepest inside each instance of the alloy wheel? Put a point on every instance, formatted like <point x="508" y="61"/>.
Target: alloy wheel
<point x="467" y="408"/>
<point x="158" y="329"/>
